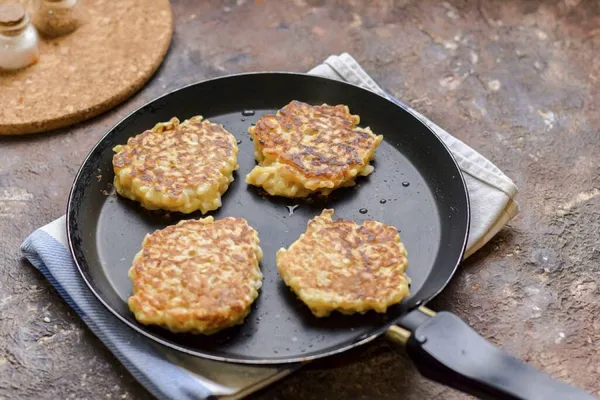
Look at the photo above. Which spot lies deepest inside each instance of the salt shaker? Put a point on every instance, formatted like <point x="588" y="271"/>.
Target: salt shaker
<point x="55" y="17"/>
<point x="19" y="43"/>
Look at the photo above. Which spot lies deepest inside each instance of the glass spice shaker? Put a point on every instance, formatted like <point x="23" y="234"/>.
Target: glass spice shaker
<point x="55" y="17"/>
<point x="18" y="39"/>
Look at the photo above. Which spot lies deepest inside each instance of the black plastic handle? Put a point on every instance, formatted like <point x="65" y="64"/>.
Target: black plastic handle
<point x="447" y="350"/>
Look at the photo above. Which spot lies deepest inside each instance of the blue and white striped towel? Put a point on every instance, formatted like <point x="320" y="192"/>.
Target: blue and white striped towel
<point x="169" y="374"/>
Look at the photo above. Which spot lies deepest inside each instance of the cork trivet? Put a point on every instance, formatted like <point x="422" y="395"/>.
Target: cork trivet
<point x="78" y="76"/>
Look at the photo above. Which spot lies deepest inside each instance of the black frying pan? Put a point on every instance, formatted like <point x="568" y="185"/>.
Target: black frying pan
<point x="416" y="187"/>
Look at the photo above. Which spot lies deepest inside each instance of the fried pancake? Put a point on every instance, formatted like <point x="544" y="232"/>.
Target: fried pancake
<point x="177" y="167"/>
<point x="340" y="265"/>
<point x="306" y="149"/>
<point x="198" y="276"/>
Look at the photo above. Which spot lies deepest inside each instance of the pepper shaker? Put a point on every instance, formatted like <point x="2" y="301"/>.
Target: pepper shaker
<point x="19" y="43"/>
<point x="55" y="17"/>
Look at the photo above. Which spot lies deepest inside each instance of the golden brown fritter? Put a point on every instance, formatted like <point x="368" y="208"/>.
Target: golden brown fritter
<point x="305" y="149"/>
<point x="177" y="167"/>
<point x="197" y="276"/>
<point x="340" y="265"/>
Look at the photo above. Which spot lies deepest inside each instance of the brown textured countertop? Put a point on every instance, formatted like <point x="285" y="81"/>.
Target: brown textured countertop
<point x="518" y="81"/>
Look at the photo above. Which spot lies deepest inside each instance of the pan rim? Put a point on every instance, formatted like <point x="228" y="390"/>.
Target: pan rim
<point x="138" y="328"/>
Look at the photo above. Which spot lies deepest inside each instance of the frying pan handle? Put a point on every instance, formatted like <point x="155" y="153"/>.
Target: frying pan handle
<point x="447" y="350"/>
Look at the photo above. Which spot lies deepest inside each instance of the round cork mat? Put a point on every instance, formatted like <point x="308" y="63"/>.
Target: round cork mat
<point x="78" y="76"/>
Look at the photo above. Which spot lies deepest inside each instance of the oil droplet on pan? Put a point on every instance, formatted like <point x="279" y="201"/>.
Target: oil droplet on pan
<point x="247" y="113"/>
<point x="405" y="184"/>
<point x="363" y="211"/>
<point x="383" y="201"/>
<point x="239" y="141"/>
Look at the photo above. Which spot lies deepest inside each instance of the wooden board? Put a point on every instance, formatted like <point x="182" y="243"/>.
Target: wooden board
<point x="113" y="54"/>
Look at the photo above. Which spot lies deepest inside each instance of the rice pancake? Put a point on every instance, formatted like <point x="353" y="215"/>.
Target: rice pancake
<point x="198" y="276"/>
<point x="340" y="265"/>
<point x="177" y="167"/>
<point x="305" y="149"/>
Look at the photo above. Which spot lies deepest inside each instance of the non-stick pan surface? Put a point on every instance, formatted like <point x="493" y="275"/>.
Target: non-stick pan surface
<point x="416" y="187"/>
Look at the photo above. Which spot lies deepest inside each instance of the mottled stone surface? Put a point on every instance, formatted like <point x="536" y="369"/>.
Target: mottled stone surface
<point x="517" y="80"/>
